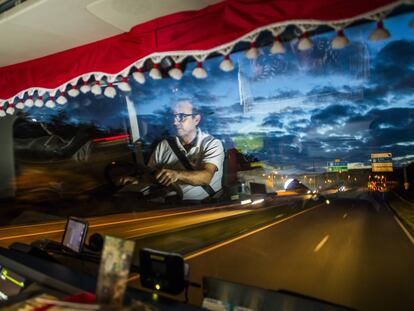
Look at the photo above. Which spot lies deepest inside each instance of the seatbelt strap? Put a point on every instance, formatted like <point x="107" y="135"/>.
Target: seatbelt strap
<point x="184" y="161"/>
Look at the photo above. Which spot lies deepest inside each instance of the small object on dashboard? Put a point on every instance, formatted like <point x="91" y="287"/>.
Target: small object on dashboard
<point x="162" y="271"/>
<point x="96" y="242"/>
<point x="114" y="270"/>
<point x="75" y="234"/>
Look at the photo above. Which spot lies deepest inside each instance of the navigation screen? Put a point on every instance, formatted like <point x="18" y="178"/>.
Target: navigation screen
<point x="74" y="234"/>
<point x="10" y="283"/>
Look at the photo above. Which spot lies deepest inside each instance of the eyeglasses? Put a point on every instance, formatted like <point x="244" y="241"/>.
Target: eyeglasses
<point x="180" y="117"/>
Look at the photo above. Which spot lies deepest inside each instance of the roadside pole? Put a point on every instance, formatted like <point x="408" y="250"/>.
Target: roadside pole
<point x="406" y="183"/>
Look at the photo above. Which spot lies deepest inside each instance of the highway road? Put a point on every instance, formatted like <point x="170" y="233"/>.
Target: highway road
<point x="135" y="225"/>
<point x="127" y="225"/>
<point x="351" y="252"/>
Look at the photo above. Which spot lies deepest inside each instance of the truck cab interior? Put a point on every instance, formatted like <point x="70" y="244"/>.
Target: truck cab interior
<point x="308" y="111"/>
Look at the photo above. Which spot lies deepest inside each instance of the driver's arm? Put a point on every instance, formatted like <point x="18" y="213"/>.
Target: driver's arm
<point x="201" y="177"/>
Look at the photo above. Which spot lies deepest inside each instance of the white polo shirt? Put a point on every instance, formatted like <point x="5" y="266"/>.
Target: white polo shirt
<point x="206" y="149"/>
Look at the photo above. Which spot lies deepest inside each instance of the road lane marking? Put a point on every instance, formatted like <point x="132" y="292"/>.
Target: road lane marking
<point x="211" y="208"/>
<point x="62" y="222"/>
<point x="151" y="217"/>
<point x="321" y="243"/>
<point x="211" y="248"/>
<point x="104" y="224"/>
<point x="345" y="215"/>
<point x="405" y="230"/>
<point x="29" y="234"/>
<point x="143" y="228"/>
<point x="185" y="222"/>
<point x="278" y="216"/>
<point x="403" y="199"/>
<point x="120" y="221"/>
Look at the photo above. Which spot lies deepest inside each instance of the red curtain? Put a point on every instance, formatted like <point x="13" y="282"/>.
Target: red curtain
<point x="186" y="31"/>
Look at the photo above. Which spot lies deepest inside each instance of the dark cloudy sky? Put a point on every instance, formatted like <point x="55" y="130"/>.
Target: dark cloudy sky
<point x="303" y="107"/>
<point x="296" y="108"/>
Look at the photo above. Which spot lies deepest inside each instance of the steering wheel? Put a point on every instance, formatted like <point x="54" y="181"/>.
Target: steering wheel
<point x="115" y="171"/>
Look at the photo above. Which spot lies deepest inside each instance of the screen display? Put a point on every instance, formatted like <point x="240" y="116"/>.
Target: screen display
<point x="10" y="283"/>
<point x="74" y="235"/>
<point x="159" y="268"/>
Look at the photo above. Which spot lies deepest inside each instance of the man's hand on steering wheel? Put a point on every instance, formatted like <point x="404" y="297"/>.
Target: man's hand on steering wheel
<point x="126" y="180"/>
<point x="167" y="177"/>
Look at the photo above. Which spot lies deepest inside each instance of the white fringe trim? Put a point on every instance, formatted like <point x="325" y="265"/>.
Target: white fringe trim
<point x="139" y="77"/>
<point x="124" y="86"/>
<point x="339" y="42"/>
<point x="96" y="89"/>
<point x="175" y="73"/>
<point x="110" y="92"/>
<point x="10" y="110"/>
<point x="200" y="73"/>
<point x="203" y="54"/>
<point x="39" y="102"/>
<point x="20" y="105"/>
<point x="227" y="65"/>
<point x="61" y="100"/>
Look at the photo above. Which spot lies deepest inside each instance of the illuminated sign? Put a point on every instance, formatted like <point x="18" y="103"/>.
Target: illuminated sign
<point x="337" y="166"/>
<point x="381" y="162"/>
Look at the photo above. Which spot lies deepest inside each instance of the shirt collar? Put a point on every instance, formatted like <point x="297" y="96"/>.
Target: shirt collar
<point x="194" y="143"/>
<point x="196" y="139"/>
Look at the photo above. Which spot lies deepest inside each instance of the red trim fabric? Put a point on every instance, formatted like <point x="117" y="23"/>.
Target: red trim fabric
<point x="185" y="31"/>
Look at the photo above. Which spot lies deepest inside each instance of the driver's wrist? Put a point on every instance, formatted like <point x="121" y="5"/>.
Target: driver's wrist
<point x="179" y="175"/>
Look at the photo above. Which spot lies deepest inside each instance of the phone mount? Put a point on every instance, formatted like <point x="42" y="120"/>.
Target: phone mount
<point x="164" y="272"/>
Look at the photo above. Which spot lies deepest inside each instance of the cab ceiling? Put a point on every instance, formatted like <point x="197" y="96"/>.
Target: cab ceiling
<point x="37" y="28"/>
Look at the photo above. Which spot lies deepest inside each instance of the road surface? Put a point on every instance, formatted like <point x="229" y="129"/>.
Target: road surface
<point x="351" y="252"/>
<point x="128" y="225"/>
<point x="134" y="225"/>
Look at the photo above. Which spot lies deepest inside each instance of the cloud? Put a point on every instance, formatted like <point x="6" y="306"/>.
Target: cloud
<point x="355" y="139"/>
<point x="333" y="114"/>
<point x="273" y="120"/>
<point x="299" y="125"/>
<point x="398" y="118"/>
<point x="372" y="96"/>
<point x="386" y="137"/>
<point x="377" y="130"/>
<point x="328" y="94"/>
<point x="398" y="53"/>
<point x="347" y="119"/>
<point x="280" y="148"/>
<point x="287" y="94"/>
<point x="393" y="67"/>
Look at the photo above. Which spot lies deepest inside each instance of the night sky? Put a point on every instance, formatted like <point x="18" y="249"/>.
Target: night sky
<point x="299" y="108"/>
<point x="303" y="107"/>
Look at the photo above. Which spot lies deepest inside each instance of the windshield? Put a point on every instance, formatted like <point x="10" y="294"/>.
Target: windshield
<point x="297" y="171"/>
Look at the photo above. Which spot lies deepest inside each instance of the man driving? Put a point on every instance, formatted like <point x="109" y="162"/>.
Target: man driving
<point x="192" y="161"/>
